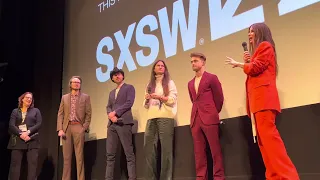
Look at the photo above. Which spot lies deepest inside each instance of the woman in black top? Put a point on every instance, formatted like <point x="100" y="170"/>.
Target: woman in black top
<point x="24" y="125"/>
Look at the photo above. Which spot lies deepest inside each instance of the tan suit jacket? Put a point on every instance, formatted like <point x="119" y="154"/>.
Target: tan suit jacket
<point x="83" y="111"/>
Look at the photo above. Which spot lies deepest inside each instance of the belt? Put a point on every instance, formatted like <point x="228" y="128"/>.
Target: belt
<point x="74" y="122"/>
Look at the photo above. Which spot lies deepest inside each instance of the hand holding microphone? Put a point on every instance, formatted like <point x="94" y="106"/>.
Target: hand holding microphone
<point x="246" y="58"/>
<point x="148" y="97"/>
<point x="61" y="133"/>
<point x="246" y="54"/>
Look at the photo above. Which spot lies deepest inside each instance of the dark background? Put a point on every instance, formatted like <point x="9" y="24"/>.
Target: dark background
<point x="31" y="42"/>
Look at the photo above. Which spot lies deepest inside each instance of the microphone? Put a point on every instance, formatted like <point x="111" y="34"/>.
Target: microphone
<point x="120" y="121"/>
<point x="33" y="135"/>
<point x="245" y="47"/>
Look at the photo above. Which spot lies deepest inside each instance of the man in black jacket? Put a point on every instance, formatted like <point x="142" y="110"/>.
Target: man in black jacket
<point x="120" y="124"/>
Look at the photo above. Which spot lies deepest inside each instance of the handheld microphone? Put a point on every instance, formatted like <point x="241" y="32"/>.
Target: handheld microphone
<point x="120" y="121"/>
<point x="245" y="47"/>
<point x="33" y="135"/>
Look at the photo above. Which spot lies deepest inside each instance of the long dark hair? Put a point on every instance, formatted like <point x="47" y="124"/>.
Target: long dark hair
<point x="165" y="80"/>
<point x="262" y="33"/>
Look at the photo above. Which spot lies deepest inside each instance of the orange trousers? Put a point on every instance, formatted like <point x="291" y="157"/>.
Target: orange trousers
<point x="277" y="162"/>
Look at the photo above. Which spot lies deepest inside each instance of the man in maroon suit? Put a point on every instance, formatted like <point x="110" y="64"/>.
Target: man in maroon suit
<point x="207" y="99"/>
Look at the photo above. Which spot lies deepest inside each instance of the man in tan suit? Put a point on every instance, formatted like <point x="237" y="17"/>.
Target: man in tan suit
<point x="73" y="121"/>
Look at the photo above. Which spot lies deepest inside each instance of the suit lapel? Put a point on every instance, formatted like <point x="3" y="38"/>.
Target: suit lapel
<point x="68" y="103"/>
<point x="192" y="89"/>
<point x="119" y="93"/>
<point x="20" y="116"/>
<point x="201" y="84"/>
<point x="26" y="118"/>
<point x="113" y="96"/>
<point x="77" y="105"/>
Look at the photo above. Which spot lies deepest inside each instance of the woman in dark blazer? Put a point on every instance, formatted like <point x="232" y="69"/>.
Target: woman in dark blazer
<point x="24" y="125"/>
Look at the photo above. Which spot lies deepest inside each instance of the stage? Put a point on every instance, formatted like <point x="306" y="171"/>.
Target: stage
<point x="299" y="128"/>
<point x="44" y="43"/>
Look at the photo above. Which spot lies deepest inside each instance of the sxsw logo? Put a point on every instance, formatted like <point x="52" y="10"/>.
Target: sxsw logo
<point x="221" y="19"/>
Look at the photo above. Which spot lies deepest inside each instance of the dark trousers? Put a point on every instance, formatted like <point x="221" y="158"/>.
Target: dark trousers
<point x="124" y="134"/>
<point x="15" y="166"/>
<point x="163" y="129"/>
<point x="201" y="132"/>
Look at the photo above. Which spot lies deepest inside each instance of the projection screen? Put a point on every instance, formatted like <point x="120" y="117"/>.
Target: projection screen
<point x="131" y="35"/>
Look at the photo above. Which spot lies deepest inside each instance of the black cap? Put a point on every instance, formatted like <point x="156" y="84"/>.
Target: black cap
<point x="116" y="71"/>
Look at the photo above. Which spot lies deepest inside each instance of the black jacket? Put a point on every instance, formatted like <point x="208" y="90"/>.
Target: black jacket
<point x="33" y="121"/>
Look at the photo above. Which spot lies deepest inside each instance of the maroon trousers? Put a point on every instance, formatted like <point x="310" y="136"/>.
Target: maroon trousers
<point x="200" y="132"/>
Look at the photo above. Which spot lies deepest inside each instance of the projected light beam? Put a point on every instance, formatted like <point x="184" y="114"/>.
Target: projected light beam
<point x="223" y="22"/>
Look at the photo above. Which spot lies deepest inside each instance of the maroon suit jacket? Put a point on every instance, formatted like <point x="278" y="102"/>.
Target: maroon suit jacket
<point x="209" y="100"/>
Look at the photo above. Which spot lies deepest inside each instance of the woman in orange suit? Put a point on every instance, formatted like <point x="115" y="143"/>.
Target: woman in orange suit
<point x="263" y="101"/>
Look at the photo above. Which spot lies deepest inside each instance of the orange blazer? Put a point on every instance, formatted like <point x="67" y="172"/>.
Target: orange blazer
<point x="261" y="88"/>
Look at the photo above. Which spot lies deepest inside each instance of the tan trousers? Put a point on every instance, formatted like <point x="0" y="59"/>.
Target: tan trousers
<point x="74" y="137"/>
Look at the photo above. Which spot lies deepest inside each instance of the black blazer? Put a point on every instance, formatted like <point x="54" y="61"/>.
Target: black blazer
<point x="122" y="105"/>
<point x="33" y="121"/>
